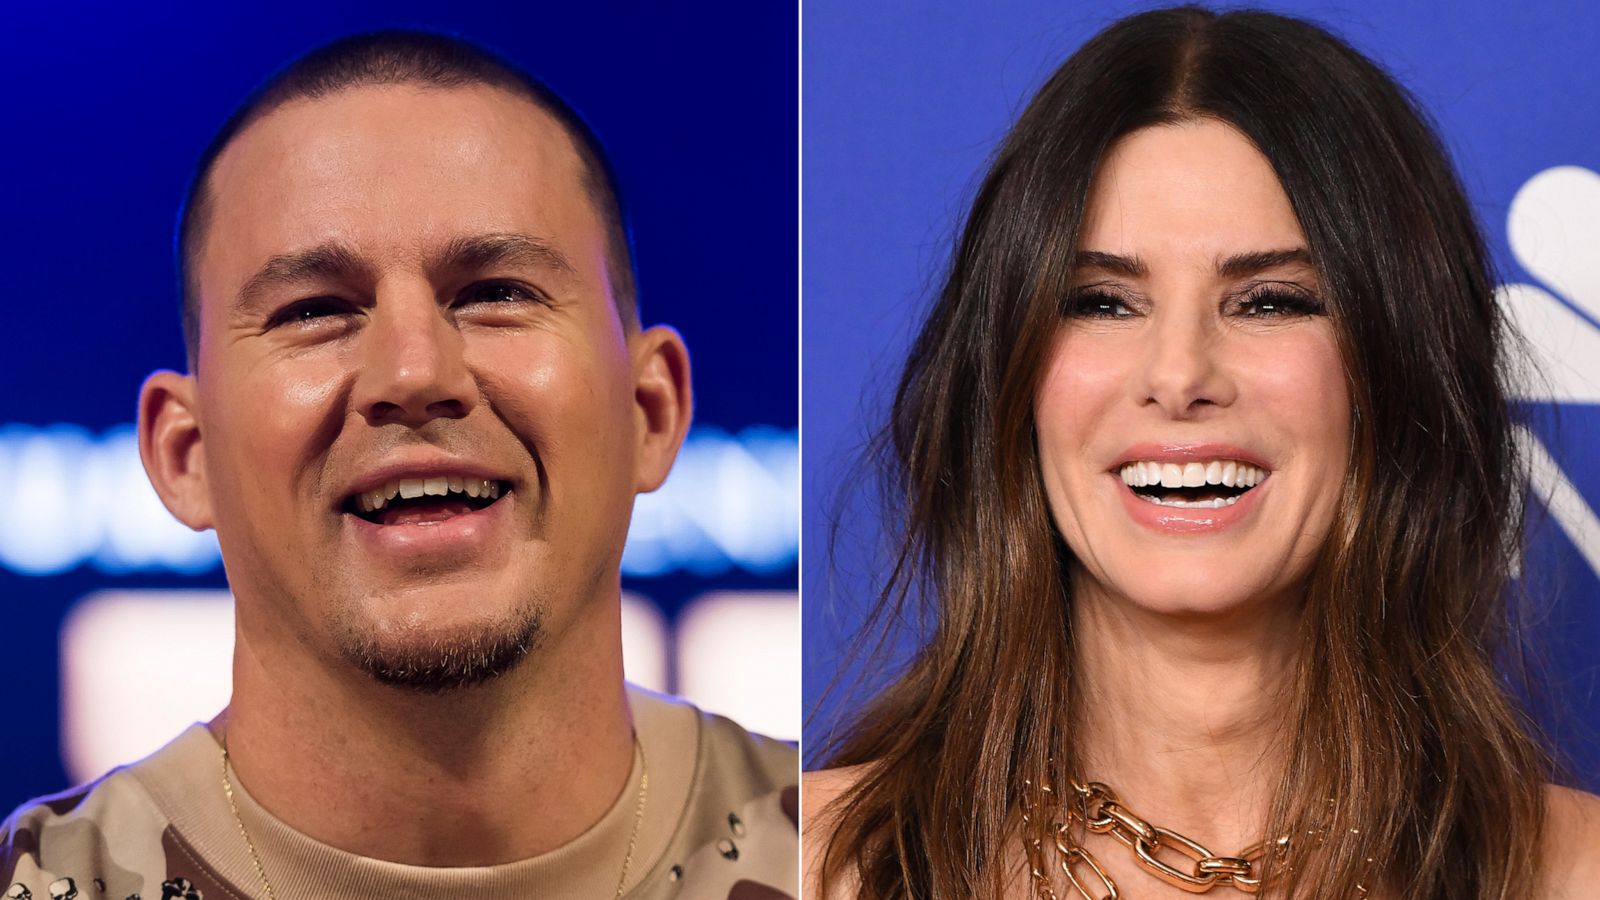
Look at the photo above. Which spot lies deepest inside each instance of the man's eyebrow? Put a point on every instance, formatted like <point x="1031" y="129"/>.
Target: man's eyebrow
<point x="1127" y="266"/>
<point x="324" y="262"/>
<point x="486" y="251"/>
<point x="333" y="261"/>
<point x="1242" y="264"/>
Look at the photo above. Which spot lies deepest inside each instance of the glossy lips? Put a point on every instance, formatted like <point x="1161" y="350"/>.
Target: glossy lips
<point x="1190" y="489"/>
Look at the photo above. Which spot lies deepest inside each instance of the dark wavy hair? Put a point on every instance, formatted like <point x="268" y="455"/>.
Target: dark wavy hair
<point x="1433" y="767"/>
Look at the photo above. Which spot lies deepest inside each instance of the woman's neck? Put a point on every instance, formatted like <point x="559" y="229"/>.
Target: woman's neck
<point x="1184" y="717"/>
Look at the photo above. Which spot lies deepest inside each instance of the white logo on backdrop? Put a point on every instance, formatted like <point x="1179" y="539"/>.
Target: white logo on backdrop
<point x="1554" y="232"/>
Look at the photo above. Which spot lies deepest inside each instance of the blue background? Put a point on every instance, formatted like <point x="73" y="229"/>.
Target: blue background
<point x="904" y="102"/>
<point x="106" y="106"/>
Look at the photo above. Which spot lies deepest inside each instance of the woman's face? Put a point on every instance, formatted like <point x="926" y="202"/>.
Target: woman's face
<point x="1194" y="420"/>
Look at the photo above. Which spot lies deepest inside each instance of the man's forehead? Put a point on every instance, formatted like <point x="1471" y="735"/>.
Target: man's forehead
<point x="401" y="167"/>
<point x="474" y="123"/>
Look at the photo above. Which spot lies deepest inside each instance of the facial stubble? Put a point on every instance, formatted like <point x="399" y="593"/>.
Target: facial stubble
<point x="436" y="661"/>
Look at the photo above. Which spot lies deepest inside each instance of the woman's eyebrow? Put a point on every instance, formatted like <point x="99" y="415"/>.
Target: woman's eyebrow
<point x="1128" y="266"/>
<point x="1242" y="264"/>
<point x="1237" y="265"/>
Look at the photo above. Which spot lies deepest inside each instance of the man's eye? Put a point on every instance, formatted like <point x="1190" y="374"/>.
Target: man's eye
<point x="1279" y="305"/>
<point x="496" y="292"/>
<point x="304" y="312"/>
<point x="1095" y="305"/>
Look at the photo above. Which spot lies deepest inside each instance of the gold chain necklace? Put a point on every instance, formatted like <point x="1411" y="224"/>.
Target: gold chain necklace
<point x="1099" y="809"/>
<point x="627" y="861"/>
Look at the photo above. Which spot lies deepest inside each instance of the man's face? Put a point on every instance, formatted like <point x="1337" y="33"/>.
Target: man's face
<point x="406" y="289"/>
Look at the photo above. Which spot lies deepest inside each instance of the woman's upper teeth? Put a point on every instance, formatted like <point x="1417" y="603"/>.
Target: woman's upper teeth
<point x="1147" y="473"/>
<point x="440" y="486"/>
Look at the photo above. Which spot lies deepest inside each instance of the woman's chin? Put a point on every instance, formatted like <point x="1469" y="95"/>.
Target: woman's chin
<point x="1191" y="593"/>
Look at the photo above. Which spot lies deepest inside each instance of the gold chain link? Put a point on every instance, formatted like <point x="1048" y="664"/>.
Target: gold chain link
<point x="1101" y="811"/>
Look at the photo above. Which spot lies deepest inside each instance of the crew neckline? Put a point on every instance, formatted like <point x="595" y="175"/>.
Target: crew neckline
<point x="185" y="781"/>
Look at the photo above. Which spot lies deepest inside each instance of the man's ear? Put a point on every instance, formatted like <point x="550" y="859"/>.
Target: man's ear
<point x="663" y="403"/>
<point x="169" y="445"/>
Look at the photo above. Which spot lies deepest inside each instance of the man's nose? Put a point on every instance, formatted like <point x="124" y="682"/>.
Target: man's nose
<point x="413" y="362"/>
<point x="1183" y="373"/>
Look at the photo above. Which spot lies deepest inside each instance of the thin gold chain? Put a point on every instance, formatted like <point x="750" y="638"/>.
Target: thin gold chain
<point x="627" y="861"/>
<point x="638" y="816"/>
<point x="227" y="788"/>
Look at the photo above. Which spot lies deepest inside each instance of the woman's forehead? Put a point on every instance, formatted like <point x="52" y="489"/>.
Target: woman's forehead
<point x="1198" y="190"/>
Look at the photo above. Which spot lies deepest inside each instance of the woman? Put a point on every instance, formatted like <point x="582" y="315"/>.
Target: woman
<point x="1207" y="472"/>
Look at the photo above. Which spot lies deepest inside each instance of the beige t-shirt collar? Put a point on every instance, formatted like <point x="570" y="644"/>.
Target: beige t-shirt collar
<point x="187" y="784"/>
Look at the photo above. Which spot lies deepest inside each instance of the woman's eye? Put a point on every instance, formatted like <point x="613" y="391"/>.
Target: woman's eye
<point x="1094" y="305"/>
<point x="305" y="312"/>
<point x="496" y="292"/>
<point x="1279" y="304"/>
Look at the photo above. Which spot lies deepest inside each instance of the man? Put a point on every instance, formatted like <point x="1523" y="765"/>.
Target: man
<point x="420" y="407"/>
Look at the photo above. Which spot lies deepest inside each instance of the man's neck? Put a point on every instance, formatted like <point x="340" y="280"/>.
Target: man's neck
<point x="1183" y="717"/>
<point x="502" y="771"/>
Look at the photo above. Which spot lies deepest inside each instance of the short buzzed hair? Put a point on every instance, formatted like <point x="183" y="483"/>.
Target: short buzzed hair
<point x="402" y="57"/>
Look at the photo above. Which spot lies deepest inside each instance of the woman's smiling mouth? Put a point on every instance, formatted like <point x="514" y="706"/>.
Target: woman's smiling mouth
<point x="1208" y="484"/>
<point x="1191" y="487"/>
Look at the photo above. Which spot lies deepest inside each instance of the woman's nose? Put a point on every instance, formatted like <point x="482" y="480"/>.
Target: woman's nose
<point x="1183" y="372"/>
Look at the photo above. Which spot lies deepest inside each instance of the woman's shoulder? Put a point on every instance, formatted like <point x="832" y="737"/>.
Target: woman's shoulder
<point x="1572" y="843"/>
<point x="820" y="789"/>
<point x="820" y="792"/>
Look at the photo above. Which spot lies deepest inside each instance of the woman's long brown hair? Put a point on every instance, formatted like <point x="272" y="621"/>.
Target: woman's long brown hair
<point x="1429" y="763"/>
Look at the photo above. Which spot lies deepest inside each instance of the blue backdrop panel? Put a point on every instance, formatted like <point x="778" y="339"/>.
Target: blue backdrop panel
<point x="903" y="105"/>
<point x="107" y="105"/>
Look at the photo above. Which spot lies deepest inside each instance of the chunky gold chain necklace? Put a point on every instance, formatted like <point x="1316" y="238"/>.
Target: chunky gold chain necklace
<point x="627" y="861"/>
<point x="1098" y="808"/>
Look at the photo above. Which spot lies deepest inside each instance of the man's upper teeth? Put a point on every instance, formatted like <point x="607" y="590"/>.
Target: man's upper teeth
<point x="1227" y="472"/>
<point x="439" y="486"/>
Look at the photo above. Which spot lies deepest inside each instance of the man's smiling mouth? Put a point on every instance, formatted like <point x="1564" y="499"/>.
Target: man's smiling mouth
<point x="1210" y="484"/>
<point x="425" y="501"/>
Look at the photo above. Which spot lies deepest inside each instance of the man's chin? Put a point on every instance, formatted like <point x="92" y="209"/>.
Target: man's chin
<point x="436" y="663"/>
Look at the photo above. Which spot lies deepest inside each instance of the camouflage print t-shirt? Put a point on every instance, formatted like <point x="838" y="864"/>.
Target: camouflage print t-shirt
<point x="719" y="822"/>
